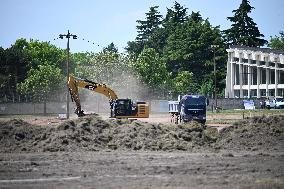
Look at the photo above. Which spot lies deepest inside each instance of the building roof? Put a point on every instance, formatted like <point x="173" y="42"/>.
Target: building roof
<point x="264" y="50"/>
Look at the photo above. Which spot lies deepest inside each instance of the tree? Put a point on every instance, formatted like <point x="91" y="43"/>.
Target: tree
<point x="146" y="27"/>
<point x="175" y="16"/>
<point x="207" y="87"/>
<point x="244" y="30"/>
<point x="151" y="69"/>
<point x="277" y="42"/>
<point x="42" y="52"/>
<point x="184" y="83"/>
<point x="189" y="48"/>
<point x="42" y="83"/>
<point x="111" y="48"/>
<point x="183" y="43"/>
<point x="13" y="67"/>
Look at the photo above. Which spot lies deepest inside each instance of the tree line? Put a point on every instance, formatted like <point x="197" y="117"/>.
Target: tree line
<point x="172" y="54"/>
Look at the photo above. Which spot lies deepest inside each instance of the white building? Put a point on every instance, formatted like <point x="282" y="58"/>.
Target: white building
<point x="254" y="72"/>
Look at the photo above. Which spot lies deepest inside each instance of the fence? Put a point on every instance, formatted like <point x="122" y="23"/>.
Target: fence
<point x="99" y="105"/>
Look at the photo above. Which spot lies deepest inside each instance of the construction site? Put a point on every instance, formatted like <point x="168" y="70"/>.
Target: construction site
<point x="142" y="94"/>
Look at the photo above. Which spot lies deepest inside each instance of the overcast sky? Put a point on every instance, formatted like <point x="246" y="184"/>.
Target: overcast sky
<point x="105" y="21"/>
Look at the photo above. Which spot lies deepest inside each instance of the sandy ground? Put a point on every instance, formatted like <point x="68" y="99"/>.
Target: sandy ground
<point x="249" y="154"/>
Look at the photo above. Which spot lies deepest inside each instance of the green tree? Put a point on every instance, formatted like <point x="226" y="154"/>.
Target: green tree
<point x="42" y="52"/>
<point x="207" y="87"/>
<point x="151" y="69"/>
<point x="13" y="67"/>
<point x="42" y="83"/>
<point x="111" y="48"/>
<point x="183" y="42"/>
<point x="244" y="30"/>
<point x="184" y="83"/>
<point x="174" y="17"/>
<point x="277" y="42"/>
<point x="146" y="27"/>
<point x="189" y="48"/>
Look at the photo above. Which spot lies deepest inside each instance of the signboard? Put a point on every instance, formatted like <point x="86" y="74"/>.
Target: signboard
<point x="249" y="104"/>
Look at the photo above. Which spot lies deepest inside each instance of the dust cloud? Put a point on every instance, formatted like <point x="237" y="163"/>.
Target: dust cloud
<point x="122" y="82"/>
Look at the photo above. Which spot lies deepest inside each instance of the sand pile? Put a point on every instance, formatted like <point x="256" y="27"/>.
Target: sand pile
<point x="91" y="133"/>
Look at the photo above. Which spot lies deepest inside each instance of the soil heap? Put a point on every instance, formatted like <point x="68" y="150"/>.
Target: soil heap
<point x="91" y="133"/>
<point x="257" y="133"/>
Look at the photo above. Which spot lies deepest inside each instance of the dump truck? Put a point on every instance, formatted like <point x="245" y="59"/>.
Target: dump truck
<point x="188" y="108"/>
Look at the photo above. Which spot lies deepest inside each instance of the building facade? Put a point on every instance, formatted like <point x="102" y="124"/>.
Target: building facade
<point x="254" y="72"/>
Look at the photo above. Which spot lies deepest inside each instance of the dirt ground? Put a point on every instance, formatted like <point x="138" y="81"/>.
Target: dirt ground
<point x="95" y="152"/>
<point x="116" y="169"/>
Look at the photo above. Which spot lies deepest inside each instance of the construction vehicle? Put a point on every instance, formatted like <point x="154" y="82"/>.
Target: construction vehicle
<point x="188" y="108"/>
<point x="120" y="108"/>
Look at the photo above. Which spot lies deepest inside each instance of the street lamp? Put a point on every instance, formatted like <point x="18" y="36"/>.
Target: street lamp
<point x="215" y="79"/>
<point x="68" y="35"/>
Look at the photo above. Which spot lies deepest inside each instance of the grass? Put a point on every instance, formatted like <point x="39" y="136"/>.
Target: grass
<point x="241" y="111"/>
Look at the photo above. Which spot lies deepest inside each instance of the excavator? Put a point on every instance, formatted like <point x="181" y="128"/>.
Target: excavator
<point x="120" y="108"/>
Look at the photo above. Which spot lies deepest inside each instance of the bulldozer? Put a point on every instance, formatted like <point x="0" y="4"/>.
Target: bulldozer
<point x="119" y="108"/>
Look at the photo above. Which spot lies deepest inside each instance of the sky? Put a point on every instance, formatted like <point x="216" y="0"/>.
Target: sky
<point x="102" y="22"/>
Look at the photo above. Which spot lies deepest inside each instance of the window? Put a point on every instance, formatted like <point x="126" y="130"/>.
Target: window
<point x="272" y="76"/>
<point x="280" y="77"/>
<point x="280" y="65"/>
<point x="263" y="76"/>
<point x="272" y="64"/>
<point x="235" y="59"/>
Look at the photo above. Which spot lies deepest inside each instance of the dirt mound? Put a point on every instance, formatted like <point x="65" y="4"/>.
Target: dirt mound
<point x="91" y="133"/>
<point x="257" y="133"/>
<point x="18" y="135"/>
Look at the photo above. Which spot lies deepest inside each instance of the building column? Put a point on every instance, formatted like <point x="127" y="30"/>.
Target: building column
<point x="258" y="78"/>
<point x="241" y="80"/>
<point x="228" y="77"/>
<point x="267" y="76"/>
<point x="276" y="79"/>
<point x="233" y="78"/>
<point x="249" y="76"/>
<point x="267" y="81"/>
<point x="249" y="80"/>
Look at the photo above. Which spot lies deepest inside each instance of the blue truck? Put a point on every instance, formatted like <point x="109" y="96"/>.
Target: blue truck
<point x="189" y="108"/>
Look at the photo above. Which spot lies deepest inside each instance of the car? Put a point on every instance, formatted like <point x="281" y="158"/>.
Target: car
<point x="276" y="103"/>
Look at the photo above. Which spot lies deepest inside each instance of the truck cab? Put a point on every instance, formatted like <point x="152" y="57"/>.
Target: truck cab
<point x="193" y="107"/>
<point x="188" y="108"/>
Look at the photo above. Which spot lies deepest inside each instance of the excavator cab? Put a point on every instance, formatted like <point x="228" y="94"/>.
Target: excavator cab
<point x="126" y="108"/>
<point x="122" y="107"/>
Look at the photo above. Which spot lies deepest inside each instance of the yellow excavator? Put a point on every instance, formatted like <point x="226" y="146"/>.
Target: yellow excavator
<point x="120" y="108"/>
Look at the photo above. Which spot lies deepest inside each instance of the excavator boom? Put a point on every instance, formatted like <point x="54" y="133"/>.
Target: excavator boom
<point x="75" y="83"/>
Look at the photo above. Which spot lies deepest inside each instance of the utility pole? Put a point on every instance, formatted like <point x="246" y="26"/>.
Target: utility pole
<point x="215" y="78"/>
<point x="68" y="35"/>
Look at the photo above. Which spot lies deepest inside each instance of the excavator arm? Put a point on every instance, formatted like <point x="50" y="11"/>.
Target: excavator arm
<point x="75" y="83"/>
